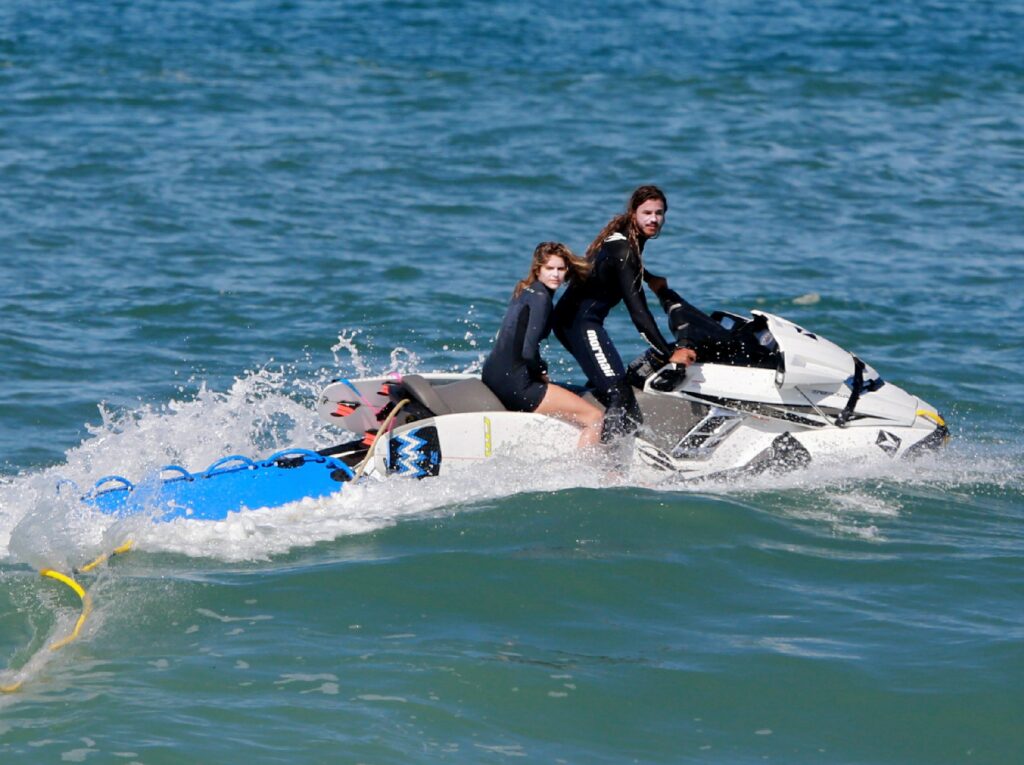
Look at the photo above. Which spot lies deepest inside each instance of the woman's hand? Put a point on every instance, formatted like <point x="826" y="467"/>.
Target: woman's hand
<point x="684" y="356"/>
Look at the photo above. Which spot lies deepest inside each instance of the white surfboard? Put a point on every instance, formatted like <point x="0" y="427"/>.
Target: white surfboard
<point x="457" y="442"/>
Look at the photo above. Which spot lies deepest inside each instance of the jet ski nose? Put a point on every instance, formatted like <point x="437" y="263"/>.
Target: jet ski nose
<point x="939" y="436"/>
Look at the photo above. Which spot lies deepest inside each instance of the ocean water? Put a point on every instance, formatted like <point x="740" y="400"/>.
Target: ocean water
<point x="209" y="210"/>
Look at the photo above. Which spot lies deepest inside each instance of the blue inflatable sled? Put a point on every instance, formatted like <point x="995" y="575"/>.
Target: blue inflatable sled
<point x="228" y="485"/>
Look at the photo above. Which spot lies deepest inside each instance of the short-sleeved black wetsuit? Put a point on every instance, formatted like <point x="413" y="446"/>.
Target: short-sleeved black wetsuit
<point x="579" y="317"/>
<point x="514" y="369"/>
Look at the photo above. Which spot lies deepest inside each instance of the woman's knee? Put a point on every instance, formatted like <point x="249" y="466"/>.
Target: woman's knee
<point x="590" y="415"/>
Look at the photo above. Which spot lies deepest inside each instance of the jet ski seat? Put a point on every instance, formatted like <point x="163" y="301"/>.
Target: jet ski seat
<point x="451" y="398"/>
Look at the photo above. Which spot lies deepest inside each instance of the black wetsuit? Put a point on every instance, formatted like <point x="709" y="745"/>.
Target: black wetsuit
<point x="579" y="324"/>
<point x="514" y="369"/>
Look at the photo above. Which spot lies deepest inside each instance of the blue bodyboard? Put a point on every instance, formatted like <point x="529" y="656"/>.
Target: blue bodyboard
<point x="228" y="485"/>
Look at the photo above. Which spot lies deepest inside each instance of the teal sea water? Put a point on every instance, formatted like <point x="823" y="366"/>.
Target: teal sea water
<point x="209" y="210"/>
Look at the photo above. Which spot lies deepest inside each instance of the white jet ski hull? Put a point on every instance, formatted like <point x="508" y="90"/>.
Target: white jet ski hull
<point x="690" y="433"/>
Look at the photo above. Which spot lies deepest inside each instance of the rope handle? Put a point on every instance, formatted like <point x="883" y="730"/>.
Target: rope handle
<point x="224" y="465"/>
<point x="125" y="484"/>
<point x="184" y="475"/>
<point x="384" y="428"/>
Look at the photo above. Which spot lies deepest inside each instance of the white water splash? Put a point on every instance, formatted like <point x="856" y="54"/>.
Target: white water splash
<point x="403" y="361"/>
<point x="347" y="342"/>
<point x="44" y="527"/>
<point x="856" y="499"/>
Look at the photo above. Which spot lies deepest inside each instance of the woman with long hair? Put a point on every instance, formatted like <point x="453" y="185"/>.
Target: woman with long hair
<point x="617" y="275"/>
<point x="514" y="369"/>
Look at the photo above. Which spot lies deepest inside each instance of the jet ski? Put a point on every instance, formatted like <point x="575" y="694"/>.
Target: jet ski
<point x="767" y="395"/>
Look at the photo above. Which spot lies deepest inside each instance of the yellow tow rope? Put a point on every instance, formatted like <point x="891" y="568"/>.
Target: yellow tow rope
<point x="86" y="605"/>
<point x="116" y="551"/>
<point x="82" y="594"/>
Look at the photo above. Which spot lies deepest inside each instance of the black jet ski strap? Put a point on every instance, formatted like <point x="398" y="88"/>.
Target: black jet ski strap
<point x="856" y="384"/>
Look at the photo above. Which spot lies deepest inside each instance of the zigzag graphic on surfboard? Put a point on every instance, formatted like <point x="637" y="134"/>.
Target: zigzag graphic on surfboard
<point x="415" y="453"/>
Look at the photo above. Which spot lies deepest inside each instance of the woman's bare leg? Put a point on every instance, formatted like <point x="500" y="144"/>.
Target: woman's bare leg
<point x="566" y="405"/>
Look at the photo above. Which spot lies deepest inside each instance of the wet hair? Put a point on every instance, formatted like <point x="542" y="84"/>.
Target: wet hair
<point x="577" y="268"/>
<point x="625" y="223"/>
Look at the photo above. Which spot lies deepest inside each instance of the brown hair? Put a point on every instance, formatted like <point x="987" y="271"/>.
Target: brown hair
<point x="577" y="267"/>
<point x="625" y="223"/>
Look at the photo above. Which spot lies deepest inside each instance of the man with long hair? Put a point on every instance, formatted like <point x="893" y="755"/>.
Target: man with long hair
<point x="617" y="275"/>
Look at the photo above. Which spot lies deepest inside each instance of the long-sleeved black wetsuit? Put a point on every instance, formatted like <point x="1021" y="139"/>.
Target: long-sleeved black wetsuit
<point x="579" y="317"/>
<point x="514" y="369"/>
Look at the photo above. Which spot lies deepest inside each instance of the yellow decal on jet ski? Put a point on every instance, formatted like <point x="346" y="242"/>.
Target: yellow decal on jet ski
<point x="487" y="436"/>
<point x="933" y="416"/>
